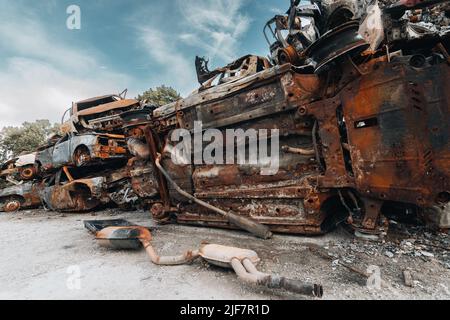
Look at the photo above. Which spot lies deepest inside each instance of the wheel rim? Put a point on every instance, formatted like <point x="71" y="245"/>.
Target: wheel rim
<point x="27" y="173"/>
<point x="12" y="206"/>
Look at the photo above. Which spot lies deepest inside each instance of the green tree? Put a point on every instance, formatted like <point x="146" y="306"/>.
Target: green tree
<point x="160" y="95"/>
<point x="26" y="138"/>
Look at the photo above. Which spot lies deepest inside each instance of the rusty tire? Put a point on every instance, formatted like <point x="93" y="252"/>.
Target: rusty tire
<point x="81" y="156"/>
<point x="337" y="12"/>
<point x="159" y="213"/>
<point x="12" y="205"/>
<point x="28" y="173"/>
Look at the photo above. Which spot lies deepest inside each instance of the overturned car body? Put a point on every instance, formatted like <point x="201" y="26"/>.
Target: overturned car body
<point x="99" y="114"/>
<point x="63" y="193"/>
<point x="352" y="106"/>
<point x="363" y="130"/>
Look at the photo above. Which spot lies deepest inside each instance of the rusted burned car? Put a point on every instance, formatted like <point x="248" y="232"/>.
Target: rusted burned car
<point x="99" y="114"/>
<point x="64" y="193"/>
<point x="144" y="177"/>
<point x="363" y="128"/>
<point x="20" y="168"/>
<point x="20" y="197"/>
<point x="80" y="150"/>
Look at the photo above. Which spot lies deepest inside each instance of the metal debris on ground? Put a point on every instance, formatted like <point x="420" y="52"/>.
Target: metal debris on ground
<point x="120" y="234"/>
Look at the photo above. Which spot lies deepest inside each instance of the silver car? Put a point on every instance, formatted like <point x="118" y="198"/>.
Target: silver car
<point x="80" y="150"/>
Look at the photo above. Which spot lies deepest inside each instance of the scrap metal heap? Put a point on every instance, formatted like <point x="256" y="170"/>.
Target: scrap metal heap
<point x="359" y="93"/>
<point x="80" y="169"/>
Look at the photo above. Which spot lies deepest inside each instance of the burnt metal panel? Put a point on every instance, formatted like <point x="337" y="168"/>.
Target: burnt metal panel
<point x="398" y="127"/>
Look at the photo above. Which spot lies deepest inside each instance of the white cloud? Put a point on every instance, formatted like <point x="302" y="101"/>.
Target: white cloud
<point x="39" y="75"/>
<point x="31" y="89"/>
<point x="25" y="35"/>
<point x="214" y="25"/>
<point x="277" y="10"/>
<point x="178" y="72"/>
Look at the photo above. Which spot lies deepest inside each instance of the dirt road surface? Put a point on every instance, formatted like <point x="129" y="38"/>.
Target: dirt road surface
<point x="43" y="255"/>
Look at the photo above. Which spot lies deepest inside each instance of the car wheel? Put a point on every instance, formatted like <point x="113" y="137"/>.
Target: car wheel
<point x="12" y="205"/>
<point x="82" y="156"/>
<point x="28" y="173"/>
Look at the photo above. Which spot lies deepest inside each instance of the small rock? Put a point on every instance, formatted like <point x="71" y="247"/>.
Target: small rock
<point x="427" y="254"/>
<point x="407" y="244"/>
<point x="389" y="254"/>
<point x="409" y="281"/>
<point x="332" y="255"/>
<point x="335" y="263"/>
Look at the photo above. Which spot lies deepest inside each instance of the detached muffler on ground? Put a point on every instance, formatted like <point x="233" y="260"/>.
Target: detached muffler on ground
<point x="120" y="234"/>
<point x="243" y="262"/>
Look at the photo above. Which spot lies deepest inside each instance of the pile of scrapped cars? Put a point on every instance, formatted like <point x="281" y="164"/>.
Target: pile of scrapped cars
<point x="78" y="170"/>
<point x="358" y="91"/>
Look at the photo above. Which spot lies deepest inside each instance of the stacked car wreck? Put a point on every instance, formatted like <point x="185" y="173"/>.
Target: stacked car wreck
<point x="78" y="170"/>
<point x="358" y="91"/>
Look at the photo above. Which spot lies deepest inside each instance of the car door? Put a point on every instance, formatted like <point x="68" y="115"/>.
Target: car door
<point x="61" y="152"/>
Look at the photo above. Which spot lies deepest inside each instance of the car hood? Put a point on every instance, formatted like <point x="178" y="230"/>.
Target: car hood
<point x="26" y="159"/>
<point x="109" y="106"/>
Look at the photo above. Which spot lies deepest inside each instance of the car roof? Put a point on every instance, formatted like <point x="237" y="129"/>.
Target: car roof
<point x="97" y="98"/>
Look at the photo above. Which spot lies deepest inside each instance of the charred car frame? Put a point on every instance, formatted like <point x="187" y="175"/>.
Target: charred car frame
<point x="98" y="114"/>
<point x="21" y="196"/>
<point x="82" y="149"/>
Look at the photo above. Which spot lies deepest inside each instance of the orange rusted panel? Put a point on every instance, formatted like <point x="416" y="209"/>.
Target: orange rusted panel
<point x="398" y="128"/>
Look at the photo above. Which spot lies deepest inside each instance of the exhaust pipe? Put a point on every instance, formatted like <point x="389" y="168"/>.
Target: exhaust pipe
<point x="255" y="228"/>
<point x="125" y="238"/>
<point x="242" y="261"/>
<point x="247" y="272"/>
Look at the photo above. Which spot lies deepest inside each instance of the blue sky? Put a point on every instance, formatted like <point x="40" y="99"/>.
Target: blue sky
<point x="132" y="44"/>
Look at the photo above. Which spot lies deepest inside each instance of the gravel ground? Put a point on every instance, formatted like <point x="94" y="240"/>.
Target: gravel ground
<point x="41" y="252"/>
